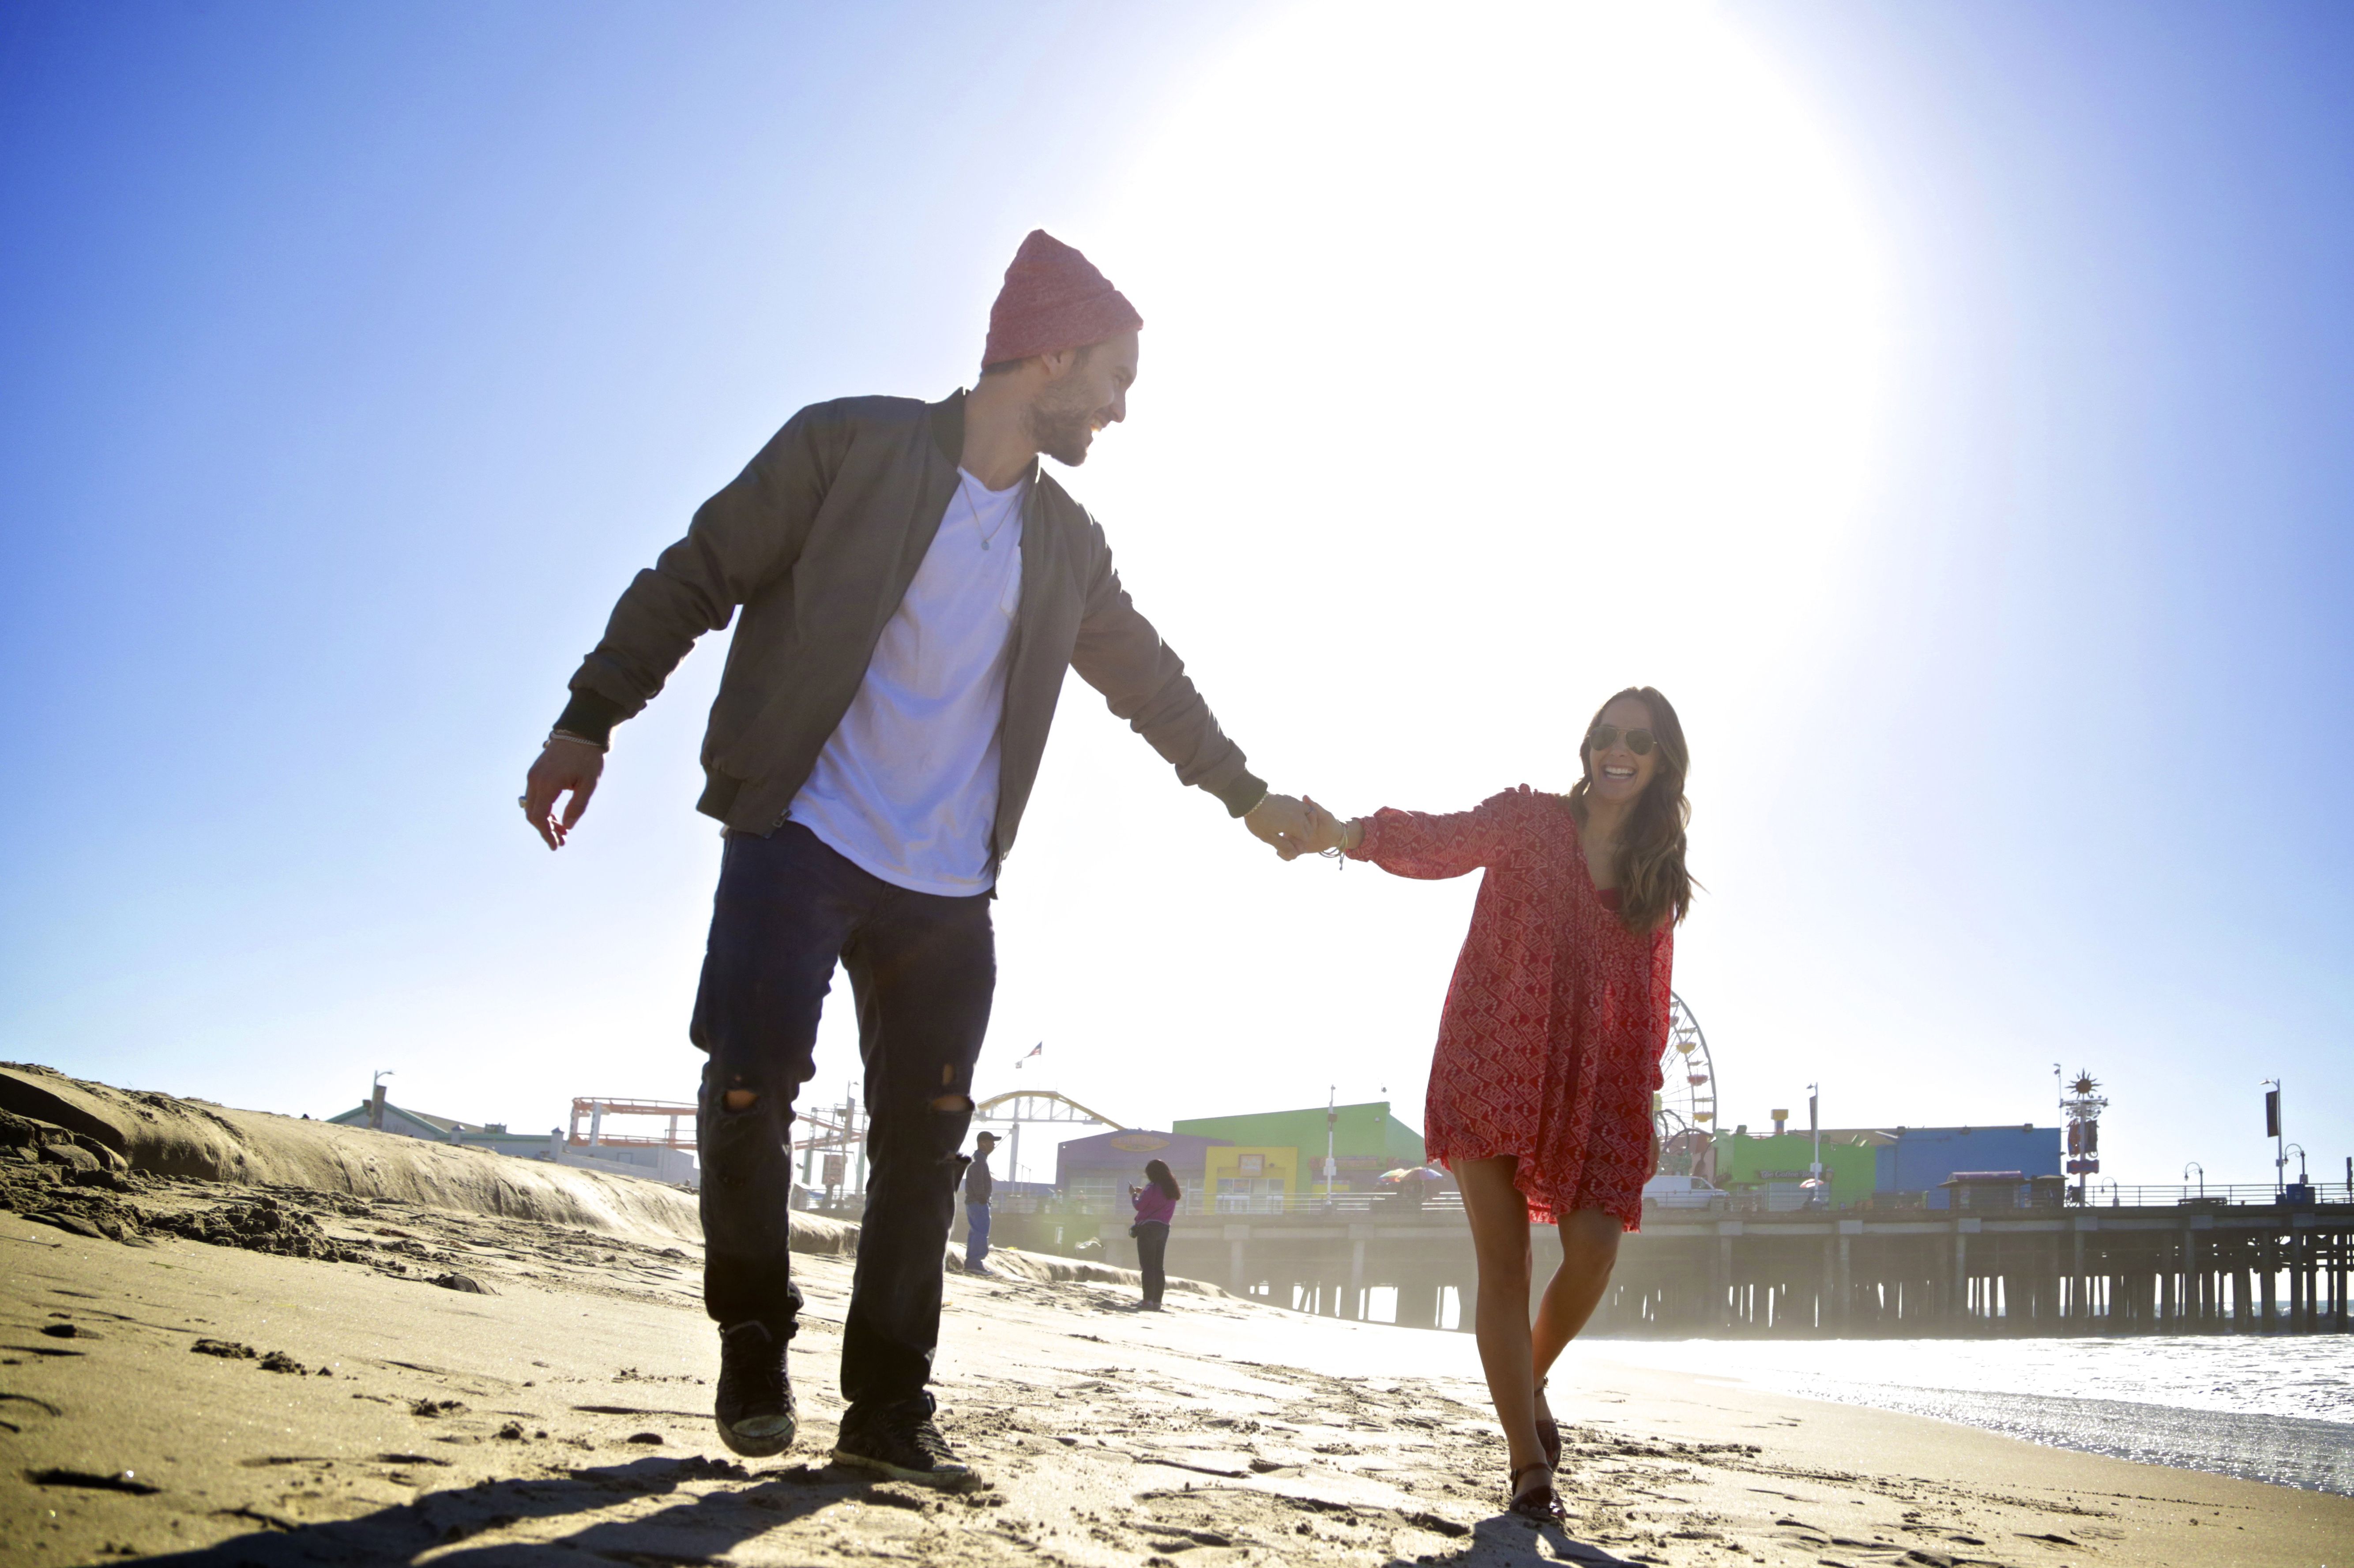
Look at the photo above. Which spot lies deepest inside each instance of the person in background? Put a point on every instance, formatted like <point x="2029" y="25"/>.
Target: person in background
<point x="979" y="1185"/>
<point x="1156" y="1205"/>
<point x="1548" y="1056"/>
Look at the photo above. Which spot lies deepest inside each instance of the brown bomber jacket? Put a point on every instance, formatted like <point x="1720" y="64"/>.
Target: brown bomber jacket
<point x="817" y="540"/>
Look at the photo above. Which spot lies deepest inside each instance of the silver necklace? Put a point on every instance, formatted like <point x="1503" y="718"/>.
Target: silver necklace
<point x="973" y="507"/>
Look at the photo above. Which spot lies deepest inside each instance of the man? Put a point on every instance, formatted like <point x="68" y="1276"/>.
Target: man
<point x="979" y="1186"/>
<point x="913" y="587"/>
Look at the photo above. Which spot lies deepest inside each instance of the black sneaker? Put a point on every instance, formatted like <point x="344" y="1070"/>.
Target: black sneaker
<point x="755" y="1406"/>
<point x="900" y="1441"/>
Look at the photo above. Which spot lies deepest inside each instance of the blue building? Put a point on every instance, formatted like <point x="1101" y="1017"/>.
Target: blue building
<point x="1922" y="1159"/>
<point x="1097" y="1171"/>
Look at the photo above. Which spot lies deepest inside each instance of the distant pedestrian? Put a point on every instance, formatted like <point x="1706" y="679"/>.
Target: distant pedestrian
<point x="1156" y="1205"/>
<point x="979" y="1185"/>
<point x="1548" y="1058"/>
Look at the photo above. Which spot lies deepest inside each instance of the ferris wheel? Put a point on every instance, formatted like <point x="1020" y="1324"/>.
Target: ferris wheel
<point x="1684" y="1110"/>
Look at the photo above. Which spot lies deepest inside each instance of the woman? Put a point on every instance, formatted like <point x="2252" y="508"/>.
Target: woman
<point x="1549" y="1048"/>
<point x="1156" y="1204"/>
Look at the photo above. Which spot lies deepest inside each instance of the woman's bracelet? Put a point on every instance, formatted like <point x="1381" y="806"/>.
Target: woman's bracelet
<point x="1338" y="852"/>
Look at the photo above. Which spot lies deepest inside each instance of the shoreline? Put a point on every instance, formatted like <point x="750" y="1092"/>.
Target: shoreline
<point x="2249" y="1434"/>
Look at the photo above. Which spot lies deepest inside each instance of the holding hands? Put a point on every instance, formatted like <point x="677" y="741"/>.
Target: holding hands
<point x="1280" y="821"/>
<point x="1294" y="827"/>
<point x="1327" y="834"/>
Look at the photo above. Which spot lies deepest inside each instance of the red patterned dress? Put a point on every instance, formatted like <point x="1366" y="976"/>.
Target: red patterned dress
<point x="1549" y="1048"/>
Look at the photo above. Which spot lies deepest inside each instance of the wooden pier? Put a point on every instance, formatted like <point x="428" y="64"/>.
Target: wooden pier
<point x="2173" y="1269"/>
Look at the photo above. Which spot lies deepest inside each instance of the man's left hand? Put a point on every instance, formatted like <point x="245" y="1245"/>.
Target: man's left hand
<point x="1281" y="821"/>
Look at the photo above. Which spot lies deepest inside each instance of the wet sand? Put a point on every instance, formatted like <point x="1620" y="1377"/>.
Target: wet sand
<point x="562" y="1404"/>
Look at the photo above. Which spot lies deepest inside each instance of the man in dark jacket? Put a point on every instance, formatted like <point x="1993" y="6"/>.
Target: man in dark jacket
<point x="912" y="589"/>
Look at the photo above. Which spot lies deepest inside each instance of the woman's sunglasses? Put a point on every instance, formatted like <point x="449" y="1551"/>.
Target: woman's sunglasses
<point x="1605" y="736"/>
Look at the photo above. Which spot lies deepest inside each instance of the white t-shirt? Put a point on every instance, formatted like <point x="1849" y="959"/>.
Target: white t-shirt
<point x="907" y="786"/>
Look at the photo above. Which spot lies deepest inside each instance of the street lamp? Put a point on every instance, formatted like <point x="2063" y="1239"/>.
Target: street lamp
<point x="2194" y="1165"/>
<point x="1332" y="1121"/>
<point x="1813" y="1127"/>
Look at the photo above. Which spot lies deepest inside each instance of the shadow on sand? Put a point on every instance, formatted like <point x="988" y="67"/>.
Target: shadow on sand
<point x="690" y="1531"/>
<point x="1506" y="1541"/>
<point x="699" y="1528"/>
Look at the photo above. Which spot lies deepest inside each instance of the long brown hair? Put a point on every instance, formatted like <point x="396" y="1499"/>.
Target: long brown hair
<point x="1156" y="1173"/>
<point x="1654" y="888"/>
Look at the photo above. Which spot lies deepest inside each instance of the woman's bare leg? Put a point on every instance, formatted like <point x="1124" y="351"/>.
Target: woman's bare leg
<point x="1500" y="1241"/>
<point x="1589" y="1249"/>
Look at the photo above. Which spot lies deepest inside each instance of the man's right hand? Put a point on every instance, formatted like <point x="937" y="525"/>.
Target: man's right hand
<point x="563" y="766"/>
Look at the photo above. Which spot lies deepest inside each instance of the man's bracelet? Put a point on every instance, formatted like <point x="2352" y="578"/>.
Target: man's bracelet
<point x="568" y="734"/>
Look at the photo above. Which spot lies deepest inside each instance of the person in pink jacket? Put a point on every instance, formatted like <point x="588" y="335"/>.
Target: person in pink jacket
<point x="1156" y="1205"/>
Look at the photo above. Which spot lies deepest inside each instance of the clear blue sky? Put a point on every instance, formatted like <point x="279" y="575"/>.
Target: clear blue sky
<point x="356" y="356"/>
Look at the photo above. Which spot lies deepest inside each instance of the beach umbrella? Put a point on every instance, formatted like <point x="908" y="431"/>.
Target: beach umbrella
<point x="1414" y="1173"/>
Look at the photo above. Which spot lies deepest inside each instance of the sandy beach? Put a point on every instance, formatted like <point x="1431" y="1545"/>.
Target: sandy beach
<point x="449" y="1356"/>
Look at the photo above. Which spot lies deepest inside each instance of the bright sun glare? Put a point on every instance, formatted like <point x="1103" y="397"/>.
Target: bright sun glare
<point x="1554" y="305"/>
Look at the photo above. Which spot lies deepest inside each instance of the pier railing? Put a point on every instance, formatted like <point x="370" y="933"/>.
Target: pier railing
<point x="1447" y="1201"/>
<point x="1197" y="1205"/>
<point x="2223" y="1264"/>
<point x="2192" y="1196"/>
<point x="2100" y="1195"/>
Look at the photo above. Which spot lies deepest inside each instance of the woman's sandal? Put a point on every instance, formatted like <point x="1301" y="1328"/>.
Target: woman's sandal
<point x="1541" y="1504"/>
<point x="1548" y="1432"/>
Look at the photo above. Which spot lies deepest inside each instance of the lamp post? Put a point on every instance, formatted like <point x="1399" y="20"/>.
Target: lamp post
<point x="1332" y="1121"/>
<point x="2194" y="1165"/>
<point x="1815" y="1129"/>
<point x="2060" y="1099"/>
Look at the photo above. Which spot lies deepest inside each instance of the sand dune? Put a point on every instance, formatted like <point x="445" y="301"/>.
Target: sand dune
<point x="407" y="1357"/>
<point x="160" y="1134"/>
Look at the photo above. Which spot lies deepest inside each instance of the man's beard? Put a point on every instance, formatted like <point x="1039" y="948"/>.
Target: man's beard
<point x="1061" y="432"/>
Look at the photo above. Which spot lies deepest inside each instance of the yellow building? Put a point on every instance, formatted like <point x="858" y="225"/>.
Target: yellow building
<point x="1247" y="1180"/>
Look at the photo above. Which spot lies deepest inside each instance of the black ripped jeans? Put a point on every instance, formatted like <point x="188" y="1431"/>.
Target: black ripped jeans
<point x="922" y="969"/>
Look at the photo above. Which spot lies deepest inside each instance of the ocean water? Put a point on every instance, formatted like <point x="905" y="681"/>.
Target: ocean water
<point x="2270" y="1409"/>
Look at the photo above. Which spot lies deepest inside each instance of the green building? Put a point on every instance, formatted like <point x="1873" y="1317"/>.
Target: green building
<point x="1774" y="1164"/>
<point x="1366" y="1140"/>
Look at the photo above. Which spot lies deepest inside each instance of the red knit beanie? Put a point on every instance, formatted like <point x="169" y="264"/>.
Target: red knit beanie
<point x="1054" y="298"/>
